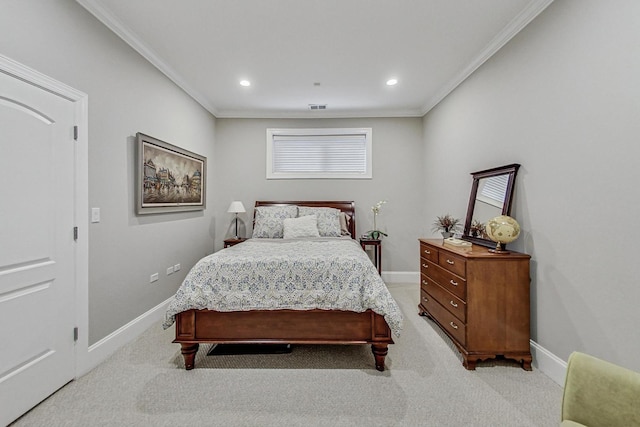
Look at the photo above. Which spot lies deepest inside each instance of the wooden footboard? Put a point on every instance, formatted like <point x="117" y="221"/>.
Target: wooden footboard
<point x="282" y="327"/>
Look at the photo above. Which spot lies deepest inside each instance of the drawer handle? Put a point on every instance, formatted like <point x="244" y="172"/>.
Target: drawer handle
<point x="427" y="252"/>
<point x="425" y="265"/>
<point x="453" y="325"/>
<point x="453" y="283"/>
<point x="425" y="299"/>
<point x="424" y="282"/>
<point x="450" y="262"/>
<point x="453" y="304"/>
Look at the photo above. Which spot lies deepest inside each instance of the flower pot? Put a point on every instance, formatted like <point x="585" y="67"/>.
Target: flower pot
<point x="446" y="234"/>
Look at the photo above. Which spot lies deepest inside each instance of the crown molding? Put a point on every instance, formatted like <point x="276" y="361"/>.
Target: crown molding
<point x="132" y="39"/>
<point x="533" y="9"/>
<point x="290" y="114"/>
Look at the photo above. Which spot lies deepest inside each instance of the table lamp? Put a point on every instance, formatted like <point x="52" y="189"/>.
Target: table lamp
<point x="236" y="207"/>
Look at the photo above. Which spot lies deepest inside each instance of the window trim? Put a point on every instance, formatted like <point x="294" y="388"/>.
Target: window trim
<point x="367" y="132"/>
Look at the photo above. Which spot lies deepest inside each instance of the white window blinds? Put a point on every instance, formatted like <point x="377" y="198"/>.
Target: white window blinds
<point x="494" y="190"/>
<point x="318" y="153"/>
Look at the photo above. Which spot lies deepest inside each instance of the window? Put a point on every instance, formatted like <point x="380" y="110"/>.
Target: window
<point x="319" y="153"/>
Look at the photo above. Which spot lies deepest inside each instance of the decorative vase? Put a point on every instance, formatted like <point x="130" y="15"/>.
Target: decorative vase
<point x="446" y="234"/>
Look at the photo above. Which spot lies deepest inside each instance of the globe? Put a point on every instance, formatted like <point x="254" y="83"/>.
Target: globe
<point x="502" y="229"/>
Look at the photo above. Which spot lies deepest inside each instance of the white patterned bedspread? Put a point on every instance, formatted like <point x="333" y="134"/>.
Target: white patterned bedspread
<point x="297" y="274"/>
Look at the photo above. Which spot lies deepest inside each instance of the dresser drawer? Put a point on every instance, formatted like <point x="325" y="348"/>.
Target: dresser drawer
<point x="449" y="301"/>
<point x="454" y="327"/>
<point x="426" y="267"/>
<point x="452" y="283"/>
<point x="429" y="252"/>
<point x="453" y="263"/>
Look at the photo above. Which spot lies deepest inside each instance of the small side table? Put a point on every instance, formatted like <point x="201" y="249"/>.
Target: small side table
<point x="377" y="251"/>
<point x="233" y="241"/>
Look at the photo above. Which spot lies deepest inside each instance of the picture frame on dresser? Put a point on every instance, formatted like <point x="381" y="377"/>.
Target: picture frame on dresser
<point x="168" y="178"/>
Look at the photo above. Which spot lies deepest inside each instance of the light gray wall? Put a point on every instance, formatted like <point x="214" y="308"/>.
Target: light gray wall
<point x="126" y="95"/>
<point x="240" y="169"/>
<point x="562" y="99"/>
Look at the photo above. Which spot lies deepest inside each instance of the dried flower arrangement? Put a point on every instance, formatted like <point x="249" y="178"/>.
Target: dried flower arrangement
<point x="447" y="224"/>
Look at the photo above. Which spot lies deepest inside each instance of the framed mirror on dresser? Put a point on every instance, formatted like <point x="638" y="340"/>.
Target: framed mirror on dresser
<point x="491" y="195"/>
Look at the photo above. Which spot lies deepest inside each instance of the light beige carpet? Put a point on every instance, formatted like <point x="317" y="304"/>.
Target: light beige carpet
<point x="425" y="384"/>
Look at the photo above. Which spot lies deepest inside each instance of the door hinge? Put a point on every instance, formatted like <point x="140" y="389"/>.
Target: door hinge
<point x="75" y="233"/>
<point x="75" y="334"/>
<point x="75" y="133"/>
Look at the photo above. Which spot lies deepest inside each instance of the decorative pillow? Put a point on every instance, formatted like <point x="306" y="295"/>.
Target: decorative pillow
<point x="344" y="224"/>
<point x="328" y="220"/>
<point x="304" y="226"/>
<point x="269" y="221"/>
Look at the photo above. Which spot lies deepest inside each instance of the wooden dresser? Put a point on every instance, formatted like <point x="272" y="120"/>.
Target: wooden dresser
<point x="479" y="299"/>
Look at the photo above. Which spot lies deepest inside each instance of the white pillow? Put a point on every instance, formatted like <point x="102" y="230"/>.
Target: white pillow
<point x="304" y="226"/>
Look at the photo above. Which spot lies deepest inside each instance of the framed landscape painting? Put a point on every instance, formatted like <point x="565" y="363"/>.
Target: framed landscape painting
<point x="169" y="178"/>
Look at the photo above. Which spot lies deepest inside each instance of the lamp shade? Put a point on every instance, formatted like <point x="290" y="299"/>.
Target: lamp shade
<point x="236" y="207"/>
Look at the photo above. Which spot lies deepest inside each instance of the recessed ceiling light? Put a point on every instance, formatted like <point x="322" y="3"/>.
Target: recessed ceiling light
<point x="392" y="82"/>
<point x="245" y="83"/>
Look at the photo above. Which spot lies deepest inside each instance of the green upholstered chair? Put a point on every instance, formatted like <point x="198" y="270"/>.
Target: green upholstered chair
<point x="599" y="393"/>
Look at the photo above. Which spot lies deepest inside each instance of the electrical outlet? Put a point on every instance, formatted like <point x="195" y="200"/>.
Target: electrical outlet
<point x="154" y="277"/>
<point x="176" y="267"/>
<point x="170" y="270"/>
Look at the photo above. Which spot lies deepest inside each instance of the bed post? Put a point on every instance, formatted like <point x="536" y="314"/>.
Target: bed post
<point x="189" y="351"/>
<point x="380" y="352"/>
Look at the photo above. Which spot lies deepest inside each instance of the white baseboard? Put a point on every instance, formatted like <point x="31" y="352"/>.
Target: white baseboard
<point x="100" y="351"/>
<point x="547" y="362"/>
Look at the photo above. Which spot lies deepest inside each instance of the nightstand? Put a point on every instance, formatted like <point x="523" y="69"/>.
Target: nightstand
<point x="233" y="241"/>
<point x="377" y="251"/>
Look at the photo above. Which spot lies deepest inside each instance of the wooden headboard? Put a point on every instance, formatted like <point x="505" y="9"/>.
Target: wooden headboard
<point x="347" y="207"/>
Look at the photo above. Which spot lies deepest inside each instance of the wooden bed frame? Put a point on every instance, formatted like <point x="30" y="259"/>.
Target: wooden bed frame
<point x="285" y="326"/>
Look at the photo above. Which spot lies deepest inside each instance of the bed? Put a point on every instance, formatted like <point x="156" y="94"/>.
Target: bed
<point x="234" y="296"/>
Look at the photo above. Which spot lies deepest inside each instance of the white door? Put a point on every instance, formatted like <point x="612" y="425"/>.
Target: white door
<point x="37" y="283"/>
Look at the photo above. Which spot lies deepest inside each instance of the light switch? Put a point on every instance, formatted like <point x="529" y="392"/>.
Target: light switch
<point x="95" y="214"/>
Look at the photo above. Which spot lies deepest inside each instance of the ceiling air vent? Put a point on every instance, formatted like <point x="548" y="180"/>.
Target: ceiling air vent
<point x="317" y="106"/>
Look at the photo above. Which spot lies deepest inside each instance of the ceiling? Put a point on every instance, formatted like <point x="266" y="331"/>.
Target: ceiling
<point x="337" y="53"/>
